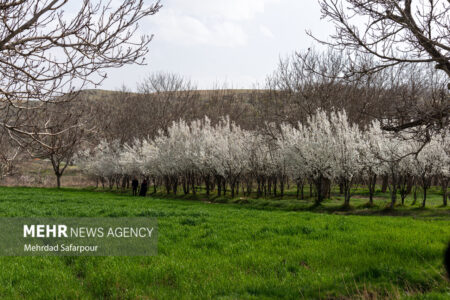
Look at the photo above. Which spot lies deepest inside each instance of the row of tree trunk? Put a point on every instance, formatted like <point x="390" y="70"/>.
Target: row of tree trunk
<point x="320" y="188"/>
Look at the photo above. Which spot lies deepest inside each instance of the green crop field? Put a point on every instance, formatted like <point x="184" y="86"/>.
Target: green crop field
<point x="236" y="251"/>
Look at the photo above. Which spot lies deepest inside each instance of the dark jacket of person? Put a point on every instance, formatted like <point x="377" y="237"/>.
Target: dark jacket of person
<point x="144" y="187"/>
<point x="134" y="184"/>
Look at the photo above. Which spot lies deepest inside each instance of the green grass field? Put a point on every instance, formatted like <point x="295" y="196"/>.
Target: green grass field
<point x="237" y="251"/>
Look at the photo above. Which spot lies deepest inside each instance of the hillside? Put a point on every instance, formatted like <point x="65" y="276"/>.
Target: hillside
<point x="100" y="94"/>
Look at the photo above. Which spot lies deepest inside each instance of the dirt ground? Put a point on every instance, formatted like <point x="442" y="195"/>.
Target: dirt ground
<point x="39" y="173"/>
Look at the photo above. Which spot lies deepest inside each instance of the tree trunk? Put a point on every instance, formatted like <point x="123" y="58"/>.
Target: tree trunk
<point x="282" y="186"/>
<point x="175" y="186"/>
<point x="409" y="185"/>
<point x="444" y="185"/>
<point x="258" y="180"/>
<point x="424" y="196"/>
<point x="346" y="197"/>
<point x="224" y="183"/>
<point x="393" y="195"/>
<point x="275" y="186"/>
<point x="326" y="188"/>
<point x="346" y="185"/>
<point x="264" y="187"/>
<point x="405" y="187"/>
<point x="319" y="187"/>
<point x="372" y="184"/>
<point x="124" y="182"/>
<point x="167" y="185"/>
<point x="435" y="180"/>
<point x="207" y="185"/>
<point x="249" y="187"/>
<point x="58" y="180"/>
<point x="183" y="185"/>
<point x="414" y="195"/>
<point x="384" y="184"/>
<point x="233" y="187"/>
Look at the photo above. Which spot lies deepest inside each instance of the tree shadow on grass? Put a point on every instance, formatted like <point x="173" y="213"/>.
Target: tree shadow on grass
<point x="329" y="206"/>
<point x="416" y="212"/>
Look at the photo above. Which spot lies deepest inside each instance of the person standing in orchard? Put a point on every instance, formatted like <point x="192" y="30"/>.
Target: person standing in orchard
<point x="144" y="187"/>
<point x="135" y="185"/>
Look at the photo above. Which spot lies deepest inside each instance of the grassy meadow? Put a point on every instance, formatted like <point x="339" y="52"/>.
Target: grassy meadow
<point x="240" y="250"/>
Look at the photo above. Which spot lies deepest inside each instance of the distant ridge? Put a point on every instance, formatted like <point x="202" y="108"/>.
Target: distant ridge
<point x="101" y="94"/>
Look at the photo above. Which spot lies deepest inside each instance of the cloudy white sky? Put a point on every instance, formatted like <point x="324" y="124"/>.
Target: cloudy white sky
<point x="217" y="42"/>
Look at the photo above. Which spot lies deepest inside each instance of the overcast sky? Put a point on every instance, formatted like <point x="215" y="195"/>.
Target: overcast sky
<point x="217" y="42"/>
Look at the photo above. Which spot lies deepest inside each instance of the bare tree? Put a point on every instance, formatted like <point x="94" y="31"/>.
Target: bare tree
<point x="125" y="115"/>
<point x="394" y="33"/>
<point x="162" y="98"/>
<point x="66" y="127"/>
<point x="46" y="53"/>
<point x="8" y="154"/>
<point x="166" y="97"/>
<point x="309" y="80"/>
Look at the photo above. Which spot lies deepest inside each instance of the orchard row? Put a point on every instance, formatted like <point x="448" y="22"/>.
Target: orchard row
<point x="326" y="150"/>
